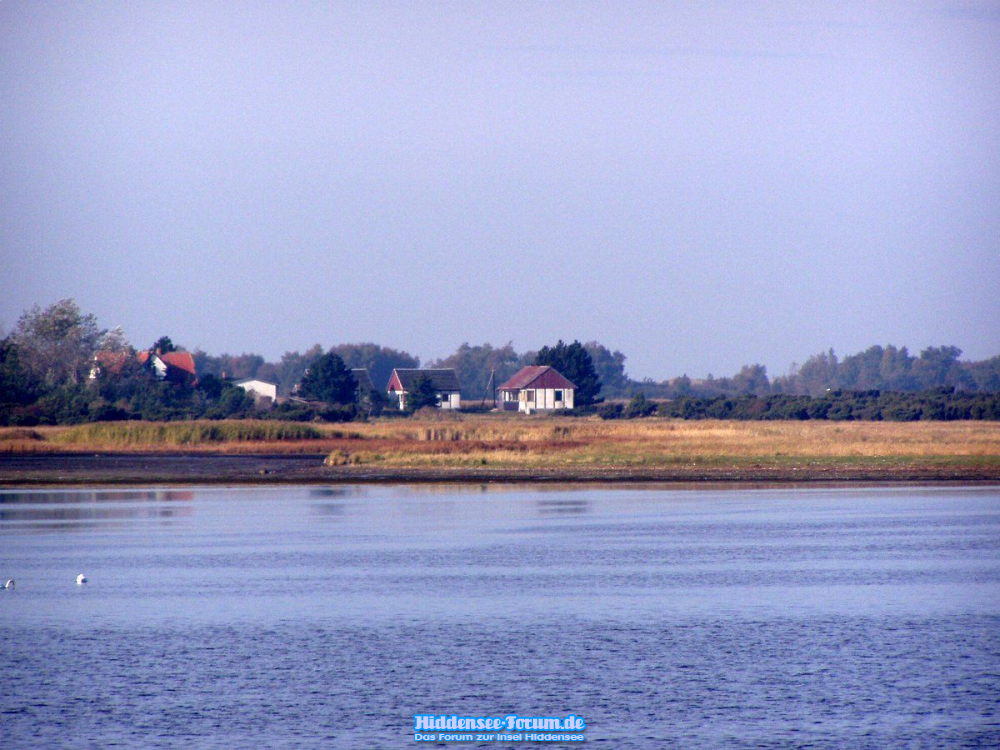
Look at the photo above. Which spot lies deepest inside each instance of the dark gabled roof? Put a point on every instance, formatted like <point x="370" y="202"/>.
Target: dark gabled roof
<point x="364" y="379"/>
<point x="443" y="380"/>
<point x="536" y="376"/>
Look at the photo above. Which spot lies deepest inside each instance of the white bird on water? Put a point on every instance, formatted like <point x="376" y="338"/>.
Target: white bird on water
<point x="9" y="585"/>
<point x="81" y="579"/>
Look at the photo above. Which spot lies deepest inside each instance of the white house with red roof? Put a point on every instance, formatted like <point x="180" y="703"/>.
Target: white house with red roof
<point x="537" y="387"/>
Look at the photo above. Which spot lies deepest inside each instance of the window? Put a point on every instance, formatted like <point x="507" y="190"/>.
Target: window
<point x="530" y="397"/>
<point x="559" y="396"/>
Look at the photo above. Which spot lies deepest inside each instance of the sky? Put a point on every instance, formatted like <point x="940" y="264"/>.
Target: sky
<point x="699" y="184"/>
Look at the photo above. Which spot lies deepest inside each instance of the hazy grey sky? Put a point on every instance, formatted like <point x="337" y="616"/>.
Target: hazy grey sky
<point x="699" y="184"/>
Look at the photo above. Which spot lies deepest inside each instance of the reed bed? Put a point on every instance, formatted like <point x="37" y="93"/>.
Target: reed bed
<point x="457" y="440"/>
<point x="128" y="434"/>
<point x="585" y="443"/>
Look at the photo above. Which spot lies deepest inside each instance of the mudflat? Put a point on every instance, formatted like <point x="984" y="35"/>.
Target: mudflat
<point x="62" y="469"/>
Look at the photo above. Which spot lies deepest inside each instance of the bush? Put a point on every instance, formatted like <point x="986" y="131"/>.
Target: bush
<point x="639" y="406"/>
<point x="610" y="410"/>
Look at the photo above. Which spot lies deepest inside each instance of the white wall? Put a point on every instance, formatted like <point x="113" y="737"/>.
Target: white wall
<point x="544" y="398"/>
<point x="260" y="389"/>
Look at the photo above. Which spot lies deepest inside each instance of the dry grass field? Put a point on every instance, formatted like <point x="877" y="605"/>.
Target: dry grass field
<point x="498" y="442"/>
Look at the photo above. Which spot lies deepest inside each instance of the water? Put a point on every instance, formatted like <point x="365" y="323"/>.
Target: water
<point x="861" y="617"/>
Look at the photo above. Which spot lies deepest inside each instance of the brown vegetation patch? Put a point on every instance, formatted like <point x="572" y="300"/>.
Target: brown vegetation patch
<point x="515" y="443"/>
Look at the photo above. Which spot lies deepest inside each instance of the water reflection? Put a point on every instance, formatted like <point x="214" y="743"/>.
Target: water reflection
<point x="563" y="506"/>
<point x="328" y="510"/>
<point x="71" y="510"/>
<point x="50" y="497"/>
<point x="331" y="492"/>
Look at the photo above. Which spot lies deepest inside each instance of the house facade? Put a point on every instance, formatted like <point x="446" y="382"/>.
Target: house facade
<point x="536" y="388"/>
<point x="445" y="383"/>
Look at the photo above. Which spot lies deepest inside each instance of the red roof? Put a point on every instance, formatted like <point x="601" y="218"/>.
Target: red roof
<point x="537" y="376"/>
<point x="180" y="360"/>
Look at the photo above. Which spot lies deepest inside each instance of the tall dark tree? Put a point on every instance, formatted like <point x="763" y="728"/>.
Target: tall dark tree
<point x="15" y="384"/>
<point x="422" y="393"/>
<point x="328" y="379"/>
<point x="573" y="361"/>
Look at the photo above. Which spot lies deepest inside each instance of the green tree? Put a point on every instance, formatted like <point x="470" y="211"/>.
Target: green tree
<point x="292" y="368"/>
<point x="939" y="366"/>
<point x="328" y="379"/>
<point x="473" y="365"/>
<point x="610" y="368"/>
<point x="15" y="383"/>
<point x="681" y="386"/>
<point x="751" y="379"/>
<point x="573" y="362"/>
<point x="211" y="386"/>
<point x="817" y="375"/>
<point x="380" y="361"/>
<point x="232" y="366"/>
<point x="164" y="345"/>
<point x="56" y="345"/>
<point x="422" y="393"/>
<point x="986" y="374"/>
<point x="116" y="342"/>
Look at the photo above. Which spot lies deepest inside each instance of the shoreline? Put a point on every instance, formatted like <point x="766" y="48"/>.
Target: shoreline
<point x="201" y="468"/>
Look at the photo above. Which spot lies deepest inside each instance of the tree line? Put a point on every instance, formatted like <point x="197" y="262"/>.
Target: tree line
<point x="942" y="404"/>
<point x="879" y="368"/>
<point x="47" y="375"/>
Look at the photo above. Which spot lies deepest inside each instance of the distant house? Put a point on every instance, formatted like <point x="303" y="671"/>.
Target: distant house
<point x="445" y="383"/>
<point x="176" y="367"/>
<point x="258" y="388"/>
<point x="537" y="387"/>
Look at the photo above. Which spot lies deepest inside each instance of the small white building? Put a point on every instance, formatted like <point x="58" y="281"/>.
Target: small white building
<point x="258" y="388"/>
<point x="445" y="382"/>
<point x="537" y="387"/>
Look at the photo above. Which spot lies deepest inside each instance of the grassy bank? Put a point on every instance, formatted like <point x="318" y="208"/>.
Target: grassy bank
<point x="655" y="443"/>
<point x="214" y="436"/>
<point x="499" y="442"/>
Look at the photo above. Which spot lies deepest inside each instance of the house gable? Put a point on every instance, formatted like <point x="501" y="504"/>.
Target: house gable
<point x="537" y="376"/>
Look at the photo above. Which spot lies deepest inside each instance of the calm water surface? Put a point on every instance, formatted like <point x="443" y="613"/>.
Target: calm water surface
<point x="859" y="617"/>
